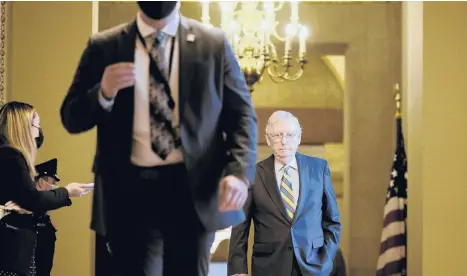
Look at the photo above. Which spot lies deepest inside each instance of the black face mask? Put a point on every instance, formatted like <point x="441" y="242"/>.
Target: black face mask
<point x="39" y="139"/>
<point x="157" y="9"/>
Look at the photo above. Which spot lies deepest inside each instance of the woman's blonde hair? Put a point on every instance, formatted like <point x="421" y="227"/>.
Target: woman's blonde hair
<point x="16" y="119"/>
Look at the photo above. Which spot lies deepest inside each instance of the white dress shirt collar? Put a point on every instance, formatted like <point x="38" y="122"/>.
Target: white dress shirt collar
<point x="146" y="30"/>
<point x="278" y="165"/>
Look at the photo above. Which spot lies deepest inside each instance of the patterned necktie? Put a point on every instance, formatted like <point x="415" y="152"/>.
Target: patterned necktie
<point x="287" y="193"/>
<point x="162" y="134"/>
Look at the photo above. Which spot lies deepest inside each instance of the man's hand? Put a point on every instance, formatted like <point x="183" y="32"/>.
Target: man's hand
<point x="233" y="192"/>
<point x="117" y="76"/>
<point x="13" y="206"/>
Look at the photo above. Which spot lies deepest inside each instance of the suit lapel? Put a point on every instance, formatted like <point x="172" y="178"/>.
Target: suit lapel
<point x="270" y="183"/>
<point x="187" y="53"/>
<point x="128" y="42"/>
<point x="303" y="175"/>
<point x="124" y="102"/>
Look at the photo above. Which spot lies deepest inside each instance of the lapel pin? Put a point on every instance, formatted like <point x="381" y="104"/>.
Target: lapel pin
<point x="190" y="38"/>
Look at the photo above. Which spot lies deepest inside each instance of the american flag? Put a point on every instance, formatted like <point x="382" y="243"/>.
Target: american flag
<point x="393" y="248"/>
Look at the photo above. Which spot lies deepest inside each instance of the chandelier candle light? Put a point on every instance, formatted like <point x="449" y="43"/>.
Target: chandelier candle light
<point x="251" y="27"/>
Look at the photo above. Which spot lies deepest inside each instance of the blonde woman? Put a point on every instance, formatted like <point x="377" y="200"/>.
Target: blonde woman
<point x="20" y="137"/>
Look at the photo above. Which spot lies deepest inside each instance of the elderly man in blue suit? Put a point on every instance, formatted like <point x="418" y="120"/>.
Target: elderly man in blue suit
<point x="294" y="210"/>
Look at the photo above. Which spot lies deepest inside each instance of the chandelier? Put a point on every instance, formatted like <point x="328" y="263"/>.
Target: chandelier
<point x="251" y="27"/>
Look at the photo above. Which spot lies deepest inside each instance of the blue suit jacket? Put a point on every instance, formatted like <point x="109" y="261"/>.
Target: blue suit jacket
<point x="312" y="237"/>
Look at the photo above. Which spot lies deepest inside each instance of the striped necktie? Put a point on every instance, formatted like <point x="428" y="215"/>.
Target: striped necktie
<point x="163" y="137"/>
<point x="287" y="192"/>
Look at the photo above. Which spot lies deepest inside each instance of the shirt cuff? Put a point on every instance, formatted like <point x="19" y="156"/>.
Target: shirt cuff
<point x="106" y="104"/>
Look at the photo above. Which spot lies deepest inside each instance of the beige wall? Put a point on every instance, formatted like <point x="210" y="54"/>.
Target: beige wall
<point x="435" y="70"/>
<point x="47" y="39"/>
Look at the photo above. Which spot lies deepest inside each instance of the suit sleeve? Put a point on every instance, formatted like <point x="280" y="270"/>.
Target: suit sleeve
<point x="238" y="248"/>
<point x="238" y="119"/>
<point x="331" y="219"/>
<point x="81" y="110"/>
<point x="23" y="190"/>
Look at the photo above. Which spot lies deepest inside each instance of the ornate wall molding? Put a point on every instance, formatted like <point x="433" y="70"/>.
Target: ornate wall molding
<point x="2" y="51"/>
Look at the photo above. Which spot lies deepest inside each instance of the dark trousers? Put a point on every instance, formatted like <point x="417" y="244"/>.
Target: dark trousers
<point x="45" y="250"/>
<point x="103" y="258"/>
<point x="159" y="232"/>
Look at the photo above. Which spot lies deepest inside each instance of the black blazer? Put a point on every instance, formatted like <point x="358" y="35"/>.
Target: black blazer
<point x="312" y="237"/>
<point x="214" y="101"/>
<point x="16" y="185"/>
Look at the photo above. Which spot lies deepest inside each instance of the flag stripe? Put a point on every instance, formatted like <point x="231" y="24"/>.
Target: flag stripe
<point x="393" y="229"/>
<point x="395" y="215"/>
<point x="393" y="268"/>
<point x="394" y="241"/>
<point x="391" y="255"/>
<point x="394" y="203"/>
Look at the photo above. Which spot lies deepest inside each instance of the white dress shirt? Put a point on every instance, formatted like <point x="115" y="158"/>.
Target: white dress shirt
<point x="142" y="153"/>
<point x="293" y="173"/>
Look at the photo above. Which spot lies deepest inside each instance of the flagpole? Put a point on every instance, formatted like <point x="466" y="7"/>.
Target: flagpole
<point x="398" y="98"/>
<point x="393" y="244"/>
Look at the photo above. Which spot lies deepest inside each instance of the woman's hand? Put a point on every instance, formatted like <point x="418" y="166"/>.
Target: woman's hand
<point x="43" y="185"/>
<point x="79" y="189"/>
<point x="13" y="206"/>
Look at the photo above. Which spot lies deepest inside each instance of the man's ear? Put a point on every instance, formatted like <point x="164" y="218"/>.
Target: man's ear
<point x="267" y="140"/>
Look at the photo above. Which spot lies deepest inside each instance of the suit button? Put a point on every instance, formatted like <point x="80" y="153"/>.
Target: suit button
<point x="290" y="248"/>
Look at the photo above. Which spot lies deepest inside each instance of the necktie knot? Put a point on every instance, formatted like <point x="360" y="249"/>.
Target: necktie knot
<point x="286" y="168"/>
<point x="158" y="39"/>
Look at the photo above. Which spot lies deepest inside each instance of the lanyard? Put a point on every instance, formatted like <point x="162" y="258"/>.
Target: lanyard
<point x="156" y="72"/>
<point x="172" y="48"/>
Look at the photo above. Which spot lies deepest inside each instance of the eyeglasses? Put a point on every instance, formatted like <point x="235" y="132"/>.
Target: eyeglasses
<point x="279" y="136"/>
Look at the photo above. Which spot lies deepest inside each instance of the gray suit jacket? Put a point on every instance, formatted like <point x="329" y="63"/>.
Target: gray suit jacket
<point x="217" y="120"/>
<point x="312" y="236"/>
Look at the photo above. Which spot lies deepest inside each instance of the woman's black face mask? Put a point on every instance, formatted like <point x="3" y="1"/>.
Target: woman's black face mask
<point x="39" y="139"/>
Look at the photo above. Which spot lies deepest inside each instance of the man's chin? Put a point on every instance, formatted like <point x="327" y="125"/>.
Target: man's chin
<point x="284" y="153"/>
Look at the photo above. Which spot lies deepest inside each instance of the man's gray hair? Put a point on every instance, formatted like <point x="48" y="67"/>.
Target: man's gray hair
<point x="282" y="115"/>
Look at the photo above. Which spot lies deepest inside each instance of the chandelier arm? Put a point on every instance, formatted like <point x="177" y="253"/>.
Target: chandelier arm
<point x="274" y="73"/>
<point x="277" y="80"/>
<point x="279" y="6"/>
<point x="276" y="35"/>
<point x="262" y="71"/>
<point x="280" y="77"/>
<point x="295" y="76"/>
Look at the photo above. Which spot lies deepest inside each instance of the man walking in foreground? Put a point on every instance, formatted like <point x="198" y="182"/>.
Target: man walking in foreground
<point x="177" y="139"/>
